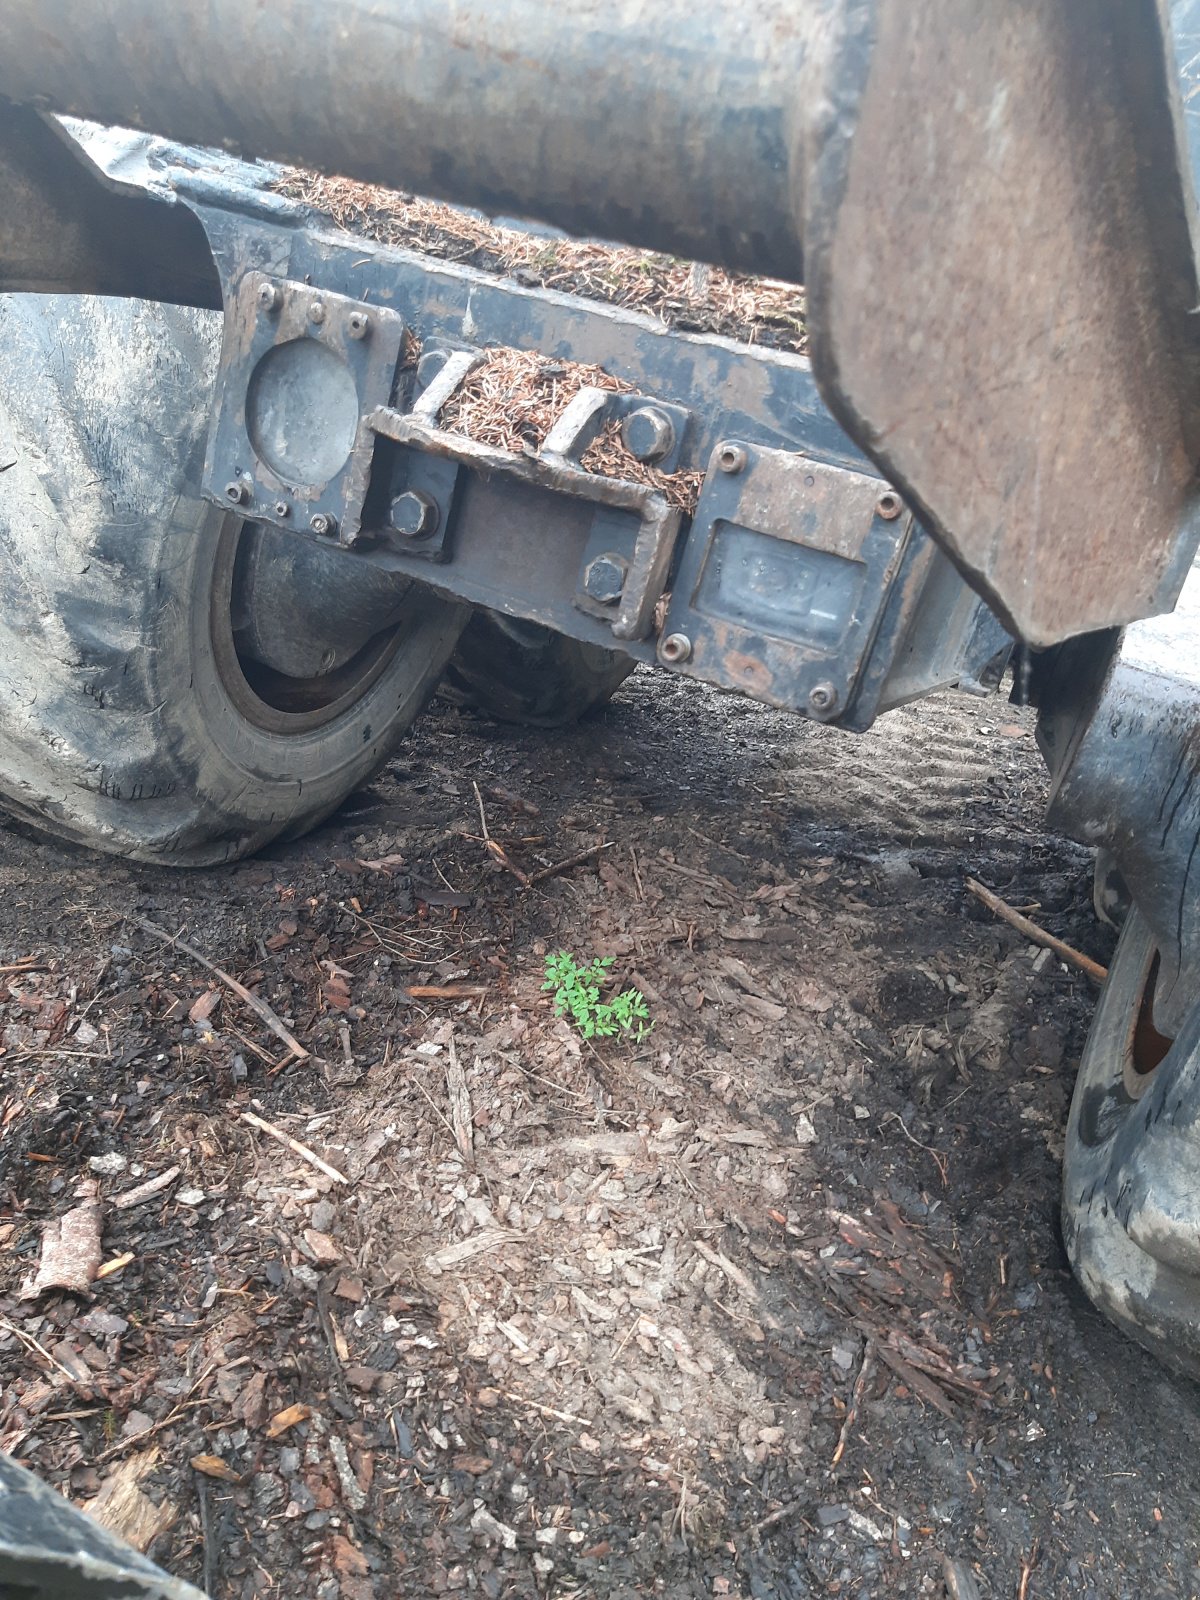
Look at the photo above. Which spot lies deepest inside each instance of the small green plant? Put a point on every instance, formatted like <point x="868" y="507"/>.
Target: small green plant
<point x="577" y="993"/>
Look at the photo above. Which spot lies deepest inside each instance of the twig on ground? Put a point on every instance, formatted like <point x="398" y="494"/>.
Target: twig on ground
<point x="260" y="1007"/>
<point x="856" y="1398"/>
<point x="447" y="991"/>
<point x="143" y="1192"/>
<point x="1022" y="924"/>
<point x="495" y="850"/>
<point x="1027" y="1565"/>
<point x="772" y="1519"/>
<point x="938" y="1159"/>
<point x="301" y="1150"/>
<point x="31" y="1343"/>
<point x="571" y="861"/>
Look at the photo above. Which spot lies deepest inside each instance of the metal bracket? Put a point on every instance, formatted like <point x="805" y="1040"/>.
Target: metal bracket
<point x="783" y="577"/>
<point x="556" y="467"/>
<point x="300" y="370"/>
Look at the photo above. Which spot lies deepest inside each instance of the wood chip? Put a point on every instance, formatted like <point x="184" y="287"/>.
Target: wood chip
<point x="214" y="1467"/>
<point x="125" y="1510"/>
<point x="115" y="1264"/>
<point x="476" y="1244"/>
<point x="460" y="1105"/>
<point x="287" y="1418"/>
<point x="71" y="1253"/>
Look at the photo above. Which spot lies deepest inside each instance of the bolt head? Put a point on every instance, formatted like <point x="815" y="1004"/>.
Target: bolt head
<point x="237" y="493"/>
<point x="674" y="649"/>
<point x="316" y="311"/>
<point x="648" y="434"/>
<point x="822" y="699"/>
<point x="889" y="505"/>
<point x="270" y="296"/>
<point x="414" y="515"/>
<point x="731" y="457"/>
<point x="358" y="324"/>
<point x="321" y="522"/>
<point x="604" y="579"/>
<point x="282" y="509"/>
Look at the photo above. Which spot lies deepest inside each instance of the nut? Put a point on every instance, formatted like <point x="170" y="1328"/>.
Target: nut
<point x="889" y="505"/>
<point x="604" y="579"/>
<point x="316" y="311"/>
<point x="358" y="324"/>
<point x="414" y="515"/>
<point x="270" y="296"/>
<point x="676" y="647"/>
<point x="822" y="699"/>
<point x="323" y="522"/>
<point x="731" y="457"/>
<point x="237" y="493"/>
<point x="648" y="434"/>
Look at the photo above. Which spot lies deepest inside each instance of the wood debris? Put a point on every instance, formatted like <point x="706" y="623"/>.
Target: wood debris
<point x="71" y="1254"/>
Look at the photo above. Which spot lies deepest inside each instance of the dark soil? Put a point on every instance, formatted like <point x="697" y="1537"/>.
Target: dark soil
<point x="771" y="1303"/>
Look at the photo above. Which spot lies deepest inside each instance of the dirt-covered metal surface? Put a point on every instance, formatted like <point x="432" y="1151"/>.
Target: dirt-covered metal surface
<point x="769" y="1304"/>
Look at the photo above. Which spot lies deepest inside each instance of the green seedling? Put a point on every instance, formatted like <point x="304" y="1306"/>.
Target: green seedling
<point x="577" y="994"/>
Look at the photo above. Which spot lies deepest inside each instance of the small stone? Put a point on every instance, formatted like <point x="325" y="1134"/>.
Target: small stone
<point x="830" y="1516"/>
<point x="323" y="1216"/>
<point x="108" y="1165"/>
<point x="805" y="1132"/>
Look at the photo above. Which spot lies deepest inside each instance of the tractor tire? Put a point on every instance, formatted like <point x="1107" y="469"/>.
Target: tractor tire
<point x="1131" y="1220"/>
<point x="520" y="672"/>
<point x="130" y="720"/>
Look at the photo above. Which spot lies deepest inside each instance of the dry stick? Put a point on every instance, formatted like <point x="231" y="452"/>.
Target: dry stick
<point x="851" y="1417"/>
<point x="31" y="1343"/>
<point x="447" y="991"/>
<point x="187" y="1404"/>
<point x="571" y="861"/>
<point x="260" y="1007"/>
<point x="1005" y="912"/>
<point x="497" y="851"/>
<point x="294" y="1144"/>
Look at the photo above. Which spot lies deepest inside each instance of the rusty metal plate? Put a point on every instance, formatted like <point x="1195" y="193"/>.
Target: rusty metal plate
<point x="300" y="370"/>
<point x="1001" y="280"/>
<point x="783" y="577"/>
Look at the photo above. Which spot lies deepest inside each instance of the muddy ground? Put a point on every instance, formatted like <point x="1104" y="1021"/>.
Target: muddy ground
<point x="769" y="1303"/>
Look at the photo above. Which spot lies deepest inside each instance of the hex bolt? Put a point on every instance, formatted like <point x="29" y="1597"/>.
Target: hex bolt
<point x="316" y="311"/>
<point x="604" y="579"/>
<point x="648" y="434"/>
<point x="323" y="522"/>
<point x="889" y="506"/>
<point x="270" y="297"/>
<point x="282" y="509"/>
<point x="822" y="699"/>
<point x="358" y="323"/>
<point x="414" y="515"/>
<point x="237" y="493"/>
<point x="676" y="647"/>
<point x="731" y="457"/>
